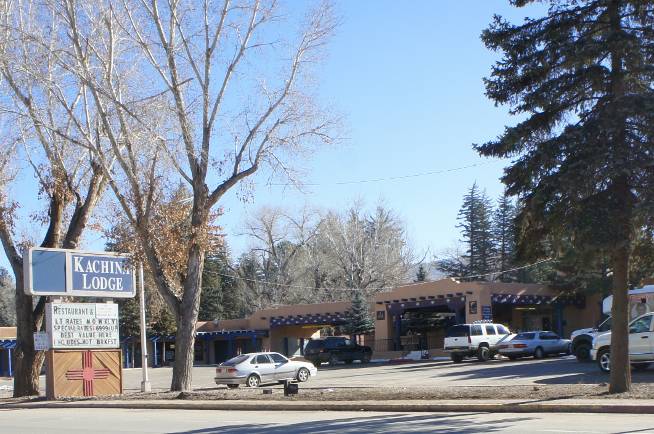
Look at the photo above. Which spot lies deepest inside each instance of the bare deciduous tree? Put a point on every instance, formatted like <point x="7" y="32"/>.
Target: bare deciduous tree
<point x="43" y="107"/>
<point x="211" y="89"/>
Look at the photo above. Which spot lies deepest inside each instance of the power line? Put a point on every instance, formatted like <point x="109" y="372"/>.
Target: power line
<point x="389" y="178"/>
<point x="265" y="282"/>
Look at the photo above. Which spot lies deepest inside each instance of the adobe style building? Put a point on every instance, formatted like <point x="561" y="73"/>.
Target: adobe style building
<point x="410" y="317"/>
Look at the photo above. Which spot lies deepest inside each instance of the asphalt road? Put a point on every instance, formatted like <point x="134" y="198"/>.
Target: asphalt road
<point x="564" y="370"/>
<point x="204" y="422"/>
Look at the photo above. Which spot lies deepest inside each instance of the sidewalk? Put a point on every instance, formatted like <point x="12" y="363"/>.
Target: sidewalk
<point x="494" y="406"/>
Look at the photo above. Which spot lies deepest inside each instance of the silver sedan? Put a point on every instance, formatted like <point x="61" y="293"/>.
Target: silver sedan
<point x="538" y="344"/>
<point x="254" y="369"/>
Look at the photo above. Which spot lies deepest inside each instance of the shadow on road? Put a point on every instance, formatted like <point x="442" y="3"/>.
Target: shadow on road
<point x="396" y="423"/>
<point x="559" y="371"/>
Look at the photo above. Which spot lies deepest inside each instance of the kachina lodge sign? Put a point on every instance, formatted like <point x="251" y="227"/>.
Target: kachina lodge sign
<point x="80" y="274"/>
<point x="81" y="340"/>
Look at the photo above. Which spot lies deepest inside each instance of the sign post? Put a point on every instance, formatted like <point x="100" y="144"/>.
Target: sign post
<point x="145" y="383"/>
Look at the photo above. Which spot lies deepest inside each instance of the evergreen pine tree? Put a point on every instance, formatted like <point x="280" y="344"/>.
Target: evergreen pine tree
<point x="421" y="274"/>
<point x="504" y="235"/>
<point x="359" y="320"/>
<point x="581" y="78"/>
<point x="475" y="224"/>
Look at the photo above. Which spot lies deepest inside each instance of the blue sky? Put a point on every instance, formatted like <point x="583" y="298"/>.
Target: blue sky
<point x="407" y="77"/>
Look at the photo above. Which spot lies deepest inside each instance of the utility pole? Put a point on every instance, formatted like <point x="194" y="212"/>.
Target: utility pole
<point x="145" y="383"/>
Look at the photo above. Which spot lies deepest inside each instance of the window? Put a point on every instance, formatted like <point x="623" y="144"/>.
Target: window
<point x="381" y="315"/>
<point x="315" y="344"/>
<point x="605" y="326"/>
<point x="490" y="330"/>
<point x="333" y="343"/>
<point x="346" y="343"/>
<point x="235" y="360"/>
<point x="278" y="358"/>
<point x="524" y="336"/>
<point x="548" y="336"/>
<point x="641" y="325"/>
<point x="457" y="331"/>
<point x="501" y="330"/>
<point x="262" y="359"/>
<point x="476" y="330"/>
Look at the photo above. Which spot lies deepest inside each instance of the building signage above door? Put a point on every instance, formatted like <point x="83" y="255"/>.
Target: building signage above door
<point x="79" y="274"/>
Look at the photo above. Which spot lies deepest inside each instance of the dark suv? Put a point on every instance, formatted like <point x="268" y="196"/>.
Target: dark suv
<point x="335" y="349"/>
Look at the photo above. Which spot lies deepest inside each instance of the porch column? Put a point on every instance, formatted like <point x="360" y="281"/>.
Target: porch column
<point x="558" y="319"/>
<point x="397" y="343"/>
<point x="154" y="354"/>
<point x="11" y="373"/>
<point x="230" y="346"/>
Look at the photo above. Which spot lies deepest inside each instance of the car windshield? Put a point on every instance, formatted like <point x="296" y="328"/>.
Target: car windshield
<point x="605" y="326"/>
<point x="457" y="331"/>
<point x="524" y="336"/>
<point x="236" y="360"/>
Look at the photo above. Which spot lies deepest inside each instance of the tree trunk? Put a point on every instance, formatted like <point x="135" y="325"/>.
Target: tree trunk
<point x="27" y="361"/>
<point x="184" y="346"/>
<point x="187" y="320"/>
<point x="620" y="368"/>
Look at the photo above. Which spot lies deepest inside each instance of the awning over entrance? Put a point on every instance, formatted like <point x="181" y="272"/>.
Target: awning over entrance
<point x="454" y="302"/>
<point x="232" y="334"/>
<point x="327" y="318"/>
<point x="561" y="300"/>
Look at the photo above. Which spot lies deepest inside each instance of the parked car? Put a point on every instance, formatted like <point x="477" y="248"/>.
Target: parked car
<point x="334" y="349"/>
<point x="254" y="369"/>
<point x="582" y="339"/>
<point x="474" y="340"/>
<point x="641" y="345"/>
<point x="537" y="343"/>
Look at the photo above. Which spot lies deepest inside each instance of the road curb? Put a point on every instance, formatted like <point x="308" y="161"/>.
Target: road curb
<point x="432" y="407"/>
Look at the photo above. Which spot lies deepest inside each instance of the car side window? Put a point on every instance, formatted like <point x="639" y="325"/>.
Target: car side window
<point x="263" y="359"/>
<point x="502" y="330"/>
<point x="490" y="330"/>
<point x="641" y="325"/>
<point x="548" y="336"/>
<point x="347" y="343"/>
<point x="278" y="358"/>
<point x="475" y="330"/>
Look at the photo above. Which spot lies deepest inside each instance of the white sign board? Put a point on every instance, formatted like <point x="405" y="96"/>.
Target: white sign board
<point x="82" y="325"/>
<point x="41" y="341"/>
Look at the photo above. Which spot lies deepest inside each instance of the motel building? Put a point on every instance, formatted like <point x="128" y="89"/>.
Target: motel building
<point x="411" y="317"/>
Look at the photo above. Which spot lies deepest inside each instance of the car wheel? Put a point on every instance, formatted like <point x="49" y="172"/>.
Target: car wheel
<point x="233" y="386"/>
<point x="333" y="360"/>
<point x="639" y="366"/>
<point x="366" y="358"/>
<point x="316" y="363"/>
<point x="582" y="352"/>
<point x="456" y="358"/>
<point x="348" y="362"/>
<point x="253" y="380"/>
<point x="539" y="353"/>
<point x="512" y="357"/>
<point x="303" y="375"/>
<point x="604" y="360"/>
<point x="483" y="354"/>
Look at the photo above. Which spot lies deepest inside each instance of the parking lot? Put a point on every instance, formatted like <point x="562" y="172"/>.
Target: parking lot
<point x="564" y="370"/>
<point x="548" y="371"/>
